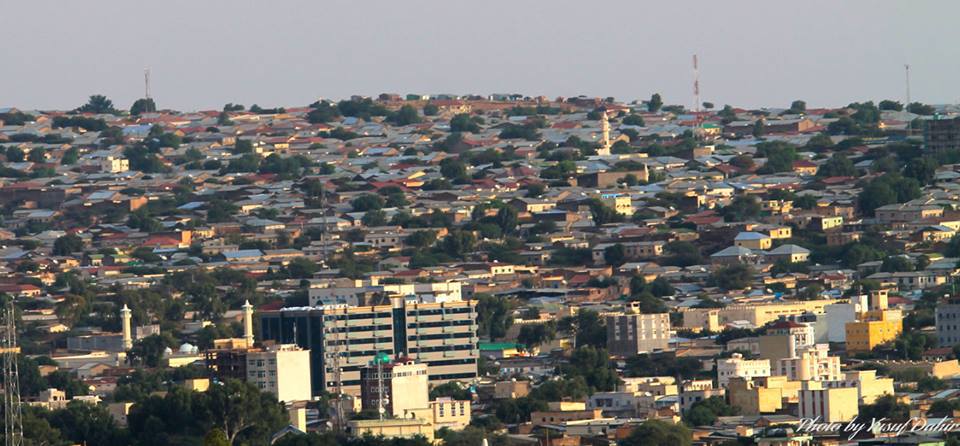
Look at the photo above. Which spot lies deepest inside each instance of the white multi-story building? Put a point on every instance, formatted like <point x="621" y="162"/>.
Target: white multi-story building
<point x="362" y="294"/>
<point x="811" y="363"/>
<point x="736" y="366"/>
<point x="840" y="313"/>
<point x="283" y="370"/>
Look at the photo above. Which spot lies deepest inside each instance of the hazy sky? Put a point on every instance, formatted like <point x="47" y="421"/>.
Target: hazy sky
<point x="204" y="53"/>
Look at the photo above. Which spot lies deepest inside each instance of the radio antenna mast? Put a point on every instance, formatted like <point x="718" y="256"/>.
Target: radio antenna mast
<point x="906" y="69"/>
<point x="12" y="414"/>
<point x="696" y="97"/>
<point x="146" y="83"/>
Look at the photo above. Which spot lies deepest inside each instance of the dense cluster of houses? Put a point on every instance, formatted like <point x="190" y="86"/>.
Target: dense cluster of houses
<point x="803" y="265"/>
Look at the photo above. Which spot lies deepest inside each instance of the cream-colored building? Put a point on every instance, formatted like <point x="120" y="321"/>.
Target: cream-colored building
<point x="114" y="165"/>
<point x="831" y="405"/>
<point x="737" y="366"/>
<point x="620" y="203"/>
<point x="631" y="332"/>
<point x="392" y="428"/>
<point x="869" y="386"/>
<point x="283" y="370"/>
<point x="405" y="389"/>
<point x="450" y="413"/>
<point x="761" y="395"/>
<point x="756" y="314"/>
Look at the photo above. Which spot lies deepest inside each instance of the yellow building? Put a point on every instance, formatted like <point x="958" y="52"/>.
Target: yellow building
<point x="753" y="240"/>
<point x="752" y="398"/>
<point x="874" y="328"/>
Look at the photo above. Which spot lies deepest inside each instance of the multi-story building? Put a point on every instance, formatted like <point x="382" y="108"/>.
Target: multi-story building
<point x="405" y="393"/>
<point x="948" y="324"/>
<point x="942" y="134"/>
<point x="874" y="328"/>
<point x="800" y="335"/>
<point x="360" y="294"/>
<point x="829" y="405"/>
<point x="283" y="370"/>
<point x="441" y="335"/>
<point x="756" y="314"/>
<point x="632" y="332"/>
<point x="736" y="366"/>
<point x="869" y="386"/>
<point x="811" y="363"/>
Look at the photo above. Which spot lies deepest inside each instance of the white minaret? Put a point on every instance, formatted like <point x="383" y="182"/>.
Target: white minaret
<point x="248" y="323"/>
<point x="125" y="315"/>
<point x="605" y="135"/>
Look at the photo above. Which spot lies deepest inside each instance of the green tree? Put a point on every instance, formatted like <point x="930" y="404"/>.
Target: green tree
<point x="216" y="437"/>
<point x="453" y="168"/>
<point x="240" y="410"/>
<point x="507" y="219"/>
<point x="463" y="123"/>
<point x="633" y="119"/>
<point x="887" y="104"/>
<point x="658" y="433"/>
<point x="886" y="406"/>
<point x="143" y="105"/>
<point x="615" y="254"/>
<point x="374" y="217"/>
<point x="742" y="208"/>
<point x="494" y="316"/>
<point x="149" y="350"/>
<point x="655" y="103"/>
<point x="67" y="244"/>
<point x="367" y="202"/>
<point x="534" y="335"/>
<point x="458" y="243"/>
<point x="837" y="166"/>
<point x="734" y="277"/>
<point x="920" y="109"/>
<point x="302" y="268"/>
<point x="430" y="109"/>
<point x="84" y="423"/>
<point x="588" y="328"/>
<point x="405" y="116"/>
<point x="451" y="389"/>
<point x="705" y="412"/>
<point x="98" y="104"/>
<point x="595" y="366"/>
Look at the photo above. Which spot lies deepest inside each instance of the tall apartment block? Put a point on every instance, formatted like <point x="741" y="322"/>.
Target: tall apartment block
<point x="948" y="324"/>
<point x="631" y="332"/>
<point x="441" y="335"/>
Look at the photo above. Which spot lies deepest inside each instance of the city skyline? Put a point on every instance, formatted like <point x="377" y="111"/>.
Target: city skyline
<point x="299" y="52"/>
